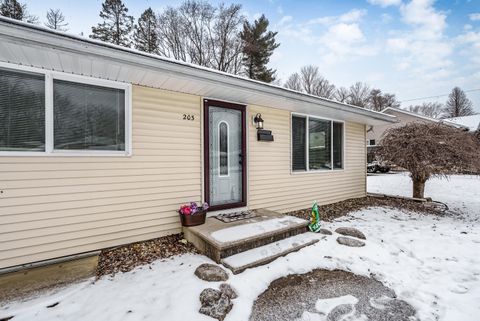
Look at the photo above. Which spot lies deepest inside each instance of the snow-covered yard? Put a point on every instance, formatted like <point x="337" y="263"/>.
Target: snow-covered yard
<point x="433" y="263"/>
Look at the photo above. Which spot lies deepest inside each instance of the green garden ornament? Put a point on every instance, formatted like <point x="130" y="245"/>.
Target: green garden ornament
<point x="314" y="225"/>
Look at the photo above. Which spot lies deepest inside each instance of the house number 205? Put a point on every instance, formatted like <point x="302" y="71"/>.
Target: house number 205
<point x="188" y="117"/>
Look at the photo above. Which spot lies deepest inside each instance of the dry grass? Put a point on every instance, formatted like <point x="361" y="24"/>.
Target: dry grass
<point x="332" y="211"/>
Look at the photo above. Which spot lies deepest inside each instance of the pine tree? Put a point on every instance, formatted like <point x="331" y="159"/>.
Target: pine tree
<point x="258" y="46"/>
<point x="145" y="32"/>
<point x="56" y="20"/>
<point x="458" y="104"/>
<point x="15" y="10"/>
<point x="116" y="25"/>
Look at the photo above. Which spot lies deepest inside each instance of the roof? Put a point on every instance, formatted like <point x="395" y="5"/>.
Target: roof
<point x="472" y="122"/>
<point x="31" y="45"/>
<point x="435" y="120"/>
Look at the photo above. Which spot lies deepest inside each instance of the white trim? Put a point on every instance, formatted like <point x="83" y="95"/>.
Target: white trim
<point x="307" y="161"/>
<point x="50" y="76"/>
<point x="220" y="152"/>
<point x="49" y="139"/>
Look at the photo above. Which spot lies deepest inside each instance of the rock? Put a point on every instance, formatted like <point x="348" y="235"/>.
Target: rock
<point x="228" y="290"/>
<point x="215" y="304"/>
<point x="349" y="241"/>
<point x="350" y="231"/>
<point x="211" y="273"/>
<point x="209" y="295"/>
<point x="324" y="231"/>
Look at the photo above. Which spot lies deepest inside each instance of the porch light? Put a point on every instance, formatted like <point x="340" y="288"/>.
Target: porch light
<point x="258" y="121"/>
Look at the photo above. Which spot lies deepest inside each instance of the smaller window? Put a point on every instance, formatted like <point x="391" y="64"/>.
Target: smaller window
<point x="372" y="142"/>
<point x="223" y="148"/>
<point x="299" y="126"/>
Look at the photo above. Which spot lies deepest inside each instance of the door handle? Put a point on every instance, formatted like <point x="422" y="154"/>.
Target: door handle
<point x="240" y="156"/>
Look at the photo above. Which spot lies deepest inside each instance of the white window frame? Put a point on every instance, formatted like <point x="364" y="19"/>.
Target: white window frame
<point x="307" y="133"/>
<point x="49" y="116"/>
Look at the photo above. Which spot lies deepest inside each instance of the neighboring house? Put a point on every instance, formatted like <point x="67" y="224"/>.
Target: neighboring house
<point x="404" y="117"/>
<point x="100" y="145"/>
<point x="471" y="122"/>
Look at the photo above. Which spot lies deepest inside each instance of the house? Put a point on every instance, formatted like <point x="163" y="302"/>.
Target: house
<point x="403" y="117"/>
<point x="100" y="145"/>
<point x="471" y="122"/>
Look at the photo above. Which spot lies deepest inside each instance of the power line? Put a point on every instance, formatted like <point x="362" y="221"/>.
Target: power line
<point x="437" y="96"/>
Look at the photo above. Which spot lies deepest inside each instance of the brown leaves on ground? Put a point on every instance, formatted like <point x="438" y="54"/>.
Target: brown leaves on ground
<point x="330" y="212"/>
<point x="126" y="258"/>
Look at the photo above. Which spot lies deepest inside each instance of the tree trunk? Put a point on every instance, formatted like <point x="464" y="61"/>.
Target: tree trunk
<point x="418" y="188"/>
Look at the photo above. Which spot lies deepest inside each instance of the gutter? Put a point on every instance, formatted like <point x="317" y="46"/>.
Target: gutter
<point x="43" y="37"/>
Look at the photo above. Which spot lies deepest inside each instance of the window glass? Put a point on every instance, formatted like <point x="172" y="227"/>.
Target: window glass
<point x="337" y="145"/>
<point x="372" y="142"/>
<point x="319" y="144"/>
<point x="22" y="111"/>
<point x="223" y="146"/>
<point x="299" y="125"/>
<point x="88" y="117"/>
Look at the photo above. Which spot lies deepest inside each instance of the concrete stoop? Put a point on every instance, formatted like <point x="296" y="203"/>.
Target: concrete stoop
<point x="250" y="242"/>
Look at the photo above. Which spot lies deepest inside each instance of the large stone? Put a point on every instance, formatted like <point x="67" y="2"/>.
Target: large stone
<point x="351" y="231"/>
<point x="324" y="231"/>
<point x="349" y="241"/>
<point x="228" y="290"/>
<point x="211" y="273"/>
<point x="215" y="304"/>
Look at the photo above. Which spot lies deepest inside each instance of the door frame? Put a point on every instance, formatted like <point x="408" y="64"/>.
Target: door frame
<point x="206" y="151"/>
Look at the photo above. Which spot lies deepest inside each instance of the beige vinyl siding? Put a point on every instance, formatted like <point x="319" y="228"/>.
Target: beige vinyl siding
<point x="57" y="206"/>
<point x="272" y="185"/>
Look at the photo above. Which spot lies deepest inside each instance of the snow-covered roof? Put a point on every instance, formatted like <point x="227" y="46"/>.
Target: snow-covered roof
<point x="435" y="120"/>
<point x="472" y="122"/>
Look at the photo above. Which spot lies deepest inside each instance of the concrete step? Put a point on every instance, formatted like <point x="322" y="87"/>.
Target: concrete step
<point x="219" y="240"/>
<point x="268" y="253"/>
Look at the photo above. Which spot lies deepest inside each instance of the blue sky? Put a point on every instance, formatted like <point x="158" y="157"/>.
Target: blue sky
<point x="413" y="48"/>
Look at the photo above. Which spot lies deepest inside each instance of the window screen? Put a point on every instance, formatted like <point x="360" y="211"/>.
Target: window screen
<point x="299" y="125"/>
<point x="337" y="145"/>
<point x="22" y="111"/>
<point x="319" y="141"/>
<point x="88" y="117"/>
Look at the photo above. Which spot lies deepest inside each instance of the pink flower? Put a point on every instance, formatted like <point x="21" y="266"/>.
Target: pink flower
<point x="187" y="210"/>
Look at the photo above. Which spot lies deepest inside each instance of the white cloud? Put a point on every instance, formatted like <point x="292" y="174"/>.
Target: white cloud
<point x="467" y="27"/>
<point x="343" y="41"/>
<point x="385" y="3"/>
<point x="422" y="14"/>
<point x="474" y="16"/>
<point x="354" y="15"/>
<point x="386" y="18"/>
<point x="469" y="42"/>
<point x="423" y="49"/>
<point x="284" y="20"/>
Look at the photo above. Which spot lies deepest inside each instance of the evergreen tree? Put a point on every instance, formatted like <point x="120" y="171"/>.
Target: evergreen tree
<point x="56" y="20"/>
<point x="16" y="10"/>
<point x="145" y="32"/>
<point x="258" y="46"/>
<point x="116" y="25"/>
<point x="458" y="104"/>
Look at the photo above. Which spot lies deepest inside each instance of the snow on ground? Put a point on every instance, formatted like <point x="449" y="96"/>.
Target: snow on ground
<point x="460" y="192"/>
<point x="244" y="231"/>
<point x="431" y="262"/>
